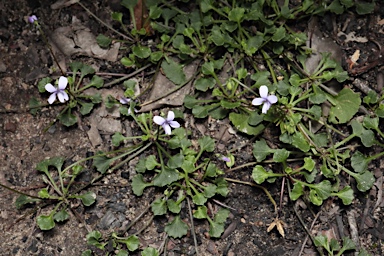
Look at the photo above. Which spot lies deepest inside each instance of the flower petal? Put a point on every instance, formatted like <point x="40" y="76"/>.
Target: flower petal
<point x="263" y="91"/>
<point x="50" y="88"/>
<point x="66" y="97"/>
<point x="265" y="108"/>
<point x="158" y="120"/>
<point x="167" y="129"/>
<point x="174" y="124"/>
<point x="63" y="81"/>
<point x="258" y="101"/>
<point x="272" y="99"/>
<point x="124" y="100"/>
<point x="60" y="95"/>
<point x="170" y="116"/>
<point x="52" y="98"/>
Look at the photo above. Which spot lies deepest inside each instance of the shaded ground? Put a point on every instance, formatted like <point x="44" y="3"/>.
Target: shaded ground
<point x="23" y="143"/>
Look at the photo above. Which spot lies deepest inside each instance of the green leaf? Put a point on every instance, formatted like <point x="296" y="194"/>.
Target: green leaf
<point x="96" y="98"/>
<point x="61" y="215"/>
<point x="299" y="141"/>
<point x="279" y="34"/>
<point x="129" y="4"/>
<point x="222" y="186"/>
<point x="117" y="138"/>
<point x="173" y="206"/>
<point x="103" y="41"/>
<point x="346" y="195"/>
<point x="229" y="104"/>
<point x="364" y="181"/>
<point x="199" y="199"/>
<point x="138" y="184"/>
<point x="241" y="122"/>
<point x="177" y="228"/>
<point x="297" y="191"/>
<point x="151" y="162"/>
<point x="319" y="192"/>
<point x="210" y="190"/>
<point x="43" y="193"/>
<point x="141" y="52"/>
<point x="176" y="161"/>
<point x="132" y="242"/>
<point x="207" y="68"/>
<point x="96" y="81"/>
<point x="42" y="83"/>
<point x="88" y="198"/>
<point x="54" y="161"/>
<point x="166" y="177"/>
<point x="102" y="163"/>
<point x="86" y="108"/>
<point x="253" y="44"/>
<point x="280" y="155"/>
<point x="371" y="123"/>
<point x="34" y="105"/>
<point x="359" y="162"/>
<point x="45" y="222"/>
<point x="261" y="150"/>
<point x="87" y="253"/>
<point x="23" y="200"/>
<point x="322" y="241"/>
<point x="348" y="244"/>
<point x="68" y="119"/>
<point x="201" y="212"/>
<point x="207" y="144"/>
<point x="363" y="8"/>
<point x="174" y="72"/>
<point x="346" y="105"/>
<point x="117" y="16"/>
<point x="128" y="62"/>
<point x="309" y="164"/>
<point x="93" y="238"/>
<point x="86" y="70"/>
<point x="149" y="251"/>
<point x="216" y="229"/>
<point x="259" y="174"/>
<point x="367" y="138"/>
<point x="159" y="206"/>
<point x="203" y="84"/>
<point x="236" y="14"/>
<point x="221" y="216"/>
<point x="357" y="127"/>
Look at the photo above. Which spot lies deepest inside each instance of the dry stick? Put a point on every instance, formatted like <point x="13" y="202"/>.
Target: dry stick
<point x="353" y="229"/>
<point x="105" y="24"/>
<point x="320" y="251"/>
<point x="127" y="76"/>
<point x="192" y="226"/>
<point x="306" y="238"/>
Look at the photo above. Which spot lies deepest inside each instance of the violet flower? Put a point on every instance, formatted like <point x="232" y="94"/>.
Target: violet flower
<point x="167" y="123"/>
<point x="32" y="19"/>
<point x="225" y="159"/>
<point x="266" y="100"/>
<point x="124" y="101"/>
<point x="59" y="91"/>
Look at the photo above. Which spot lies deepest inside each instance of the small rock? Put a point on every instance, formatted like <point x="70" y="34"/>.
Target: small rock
<point x="10" y="126"/>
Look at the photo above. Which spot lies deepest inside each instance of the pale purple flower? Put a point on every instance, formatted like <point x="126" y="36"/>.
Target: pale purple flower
<point x="59" y="91"/>
<point x="225" y="159"/>
<point x="124" y="101"/>
<point x="266" y="100"/>
<point x="167" y="123"/>
<point x="32" y="19"/>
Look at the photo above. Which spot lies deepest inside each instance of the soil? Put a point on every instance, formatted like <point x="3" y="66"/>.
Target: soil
<point x="25" y="141"/>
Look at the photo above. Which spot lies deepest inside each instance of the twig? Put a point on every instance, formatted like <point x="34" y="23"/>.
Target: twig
<point x="306" y="238"/>
<point x="192" y="226"/>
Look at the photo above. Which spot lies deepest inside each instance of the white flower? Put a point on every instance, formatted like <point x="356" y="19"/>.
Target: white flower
<point x="265" y="99"/>
<point x="167" y="123"/>
<point x="59" y="91"/>
<point x="124" y="101"/>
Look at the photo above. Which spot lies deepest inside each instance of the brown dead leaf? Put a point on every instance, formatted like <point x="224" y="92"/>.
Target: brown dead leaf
<point x="78" y="40"/>
<point x="163" y="86"/>
<point x="279" y="224"/>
